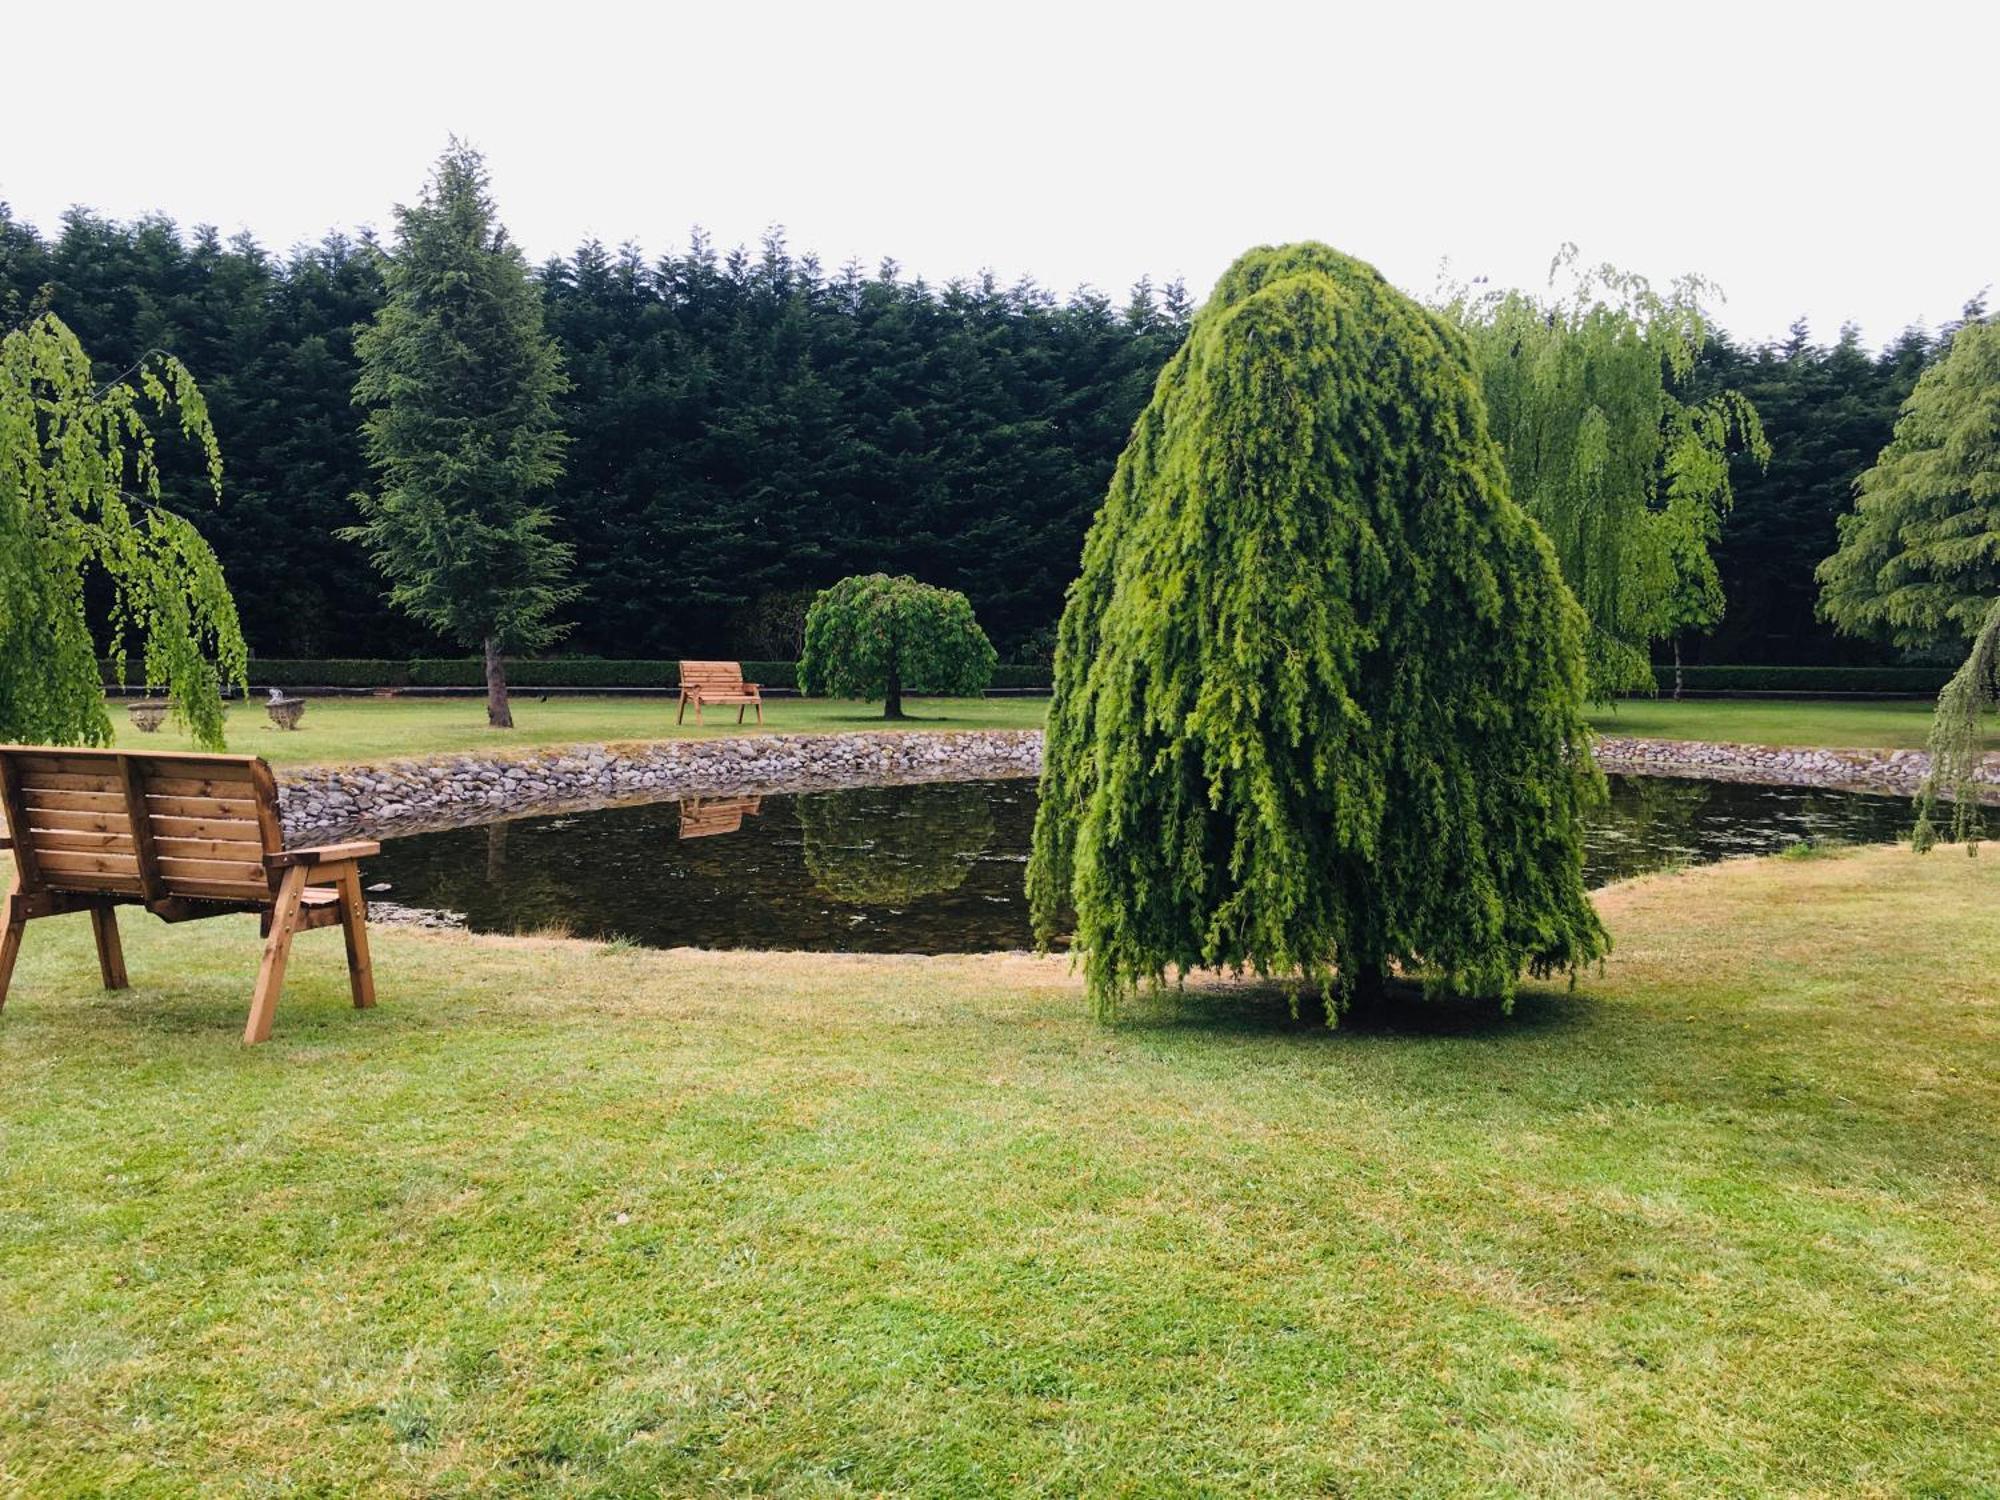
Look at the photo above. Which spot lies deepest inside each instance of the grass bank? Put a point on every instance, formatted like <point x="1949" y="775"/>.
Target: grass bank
<point x="563" y="1219"/>
<point x="339" y="730"/>
<point x="1806" y="724"/>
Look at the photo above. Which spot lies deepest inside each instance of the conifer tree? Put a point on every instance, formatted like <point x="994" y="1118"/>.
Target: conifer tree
<point x="1919" y="558"/>
<point x="461" y="382"/>
<point x="79" y="494"/>
<point x="1319" y="687"/>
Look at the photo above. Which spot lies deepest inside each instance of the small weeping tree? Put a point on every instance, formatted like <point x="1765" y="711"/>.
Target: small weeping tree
<point x="80" y="494"/>
<point x="1319" y="689"/>
<point x="874" y="636"/>
<point x="1919" y="558"/>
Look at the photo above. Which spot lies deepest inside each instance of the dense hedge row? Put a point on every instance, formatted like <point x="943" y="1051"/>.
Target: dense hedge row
<point x="565" y="672"/>
<point x="590" y="671"/>
<point x="1806" y="679"/>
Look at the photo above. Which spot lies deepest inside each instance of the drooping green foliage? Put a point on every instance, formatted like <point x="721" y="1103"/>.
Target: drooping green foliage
<point x="867" y="848"/>
<point x="1919" y="556"/>
<point x="1584" y="393"/>
<point x="1319" y="687"/>
<point x="461" y="382"/>
<point x="1958" y="741"/>
<point x="79" y="493"/>
<point x="875" y="636"/>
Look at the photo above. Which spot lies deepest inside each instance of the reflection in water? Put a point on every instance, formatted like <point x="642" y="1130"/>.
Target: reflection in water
<point x="937" y="868"/>
<point x="893" y="845"/>
<point x="705" y="817"/>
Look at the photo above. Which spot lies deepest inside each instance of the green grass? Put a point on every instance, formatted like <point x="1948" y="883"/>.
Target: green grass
<point x="1882" y="725"/>
<point x="557" y="1219"/>
<point x="374" y="729"/>
<point x="340" y="730"/>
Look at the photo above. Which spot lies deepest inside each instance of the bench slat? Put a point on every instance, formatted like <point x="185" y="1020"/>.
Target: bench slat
<point x="242" y="850"/>
<point x="67" y="838"/>
<point x="97" y="802"/>
<point x="230" y="809"/>
<point x="248" y="871"/>
<point x="54" y="781"/>
<point x="200" y="786"/>
<point x="81" y="822"/>
<point x="230" y="830"/>
<point x="95" y="862"/>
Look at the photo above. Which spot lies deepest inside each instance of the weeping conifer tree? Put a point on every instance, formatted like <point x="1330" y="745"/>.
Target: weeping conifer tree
<point x="1319" y="689"/>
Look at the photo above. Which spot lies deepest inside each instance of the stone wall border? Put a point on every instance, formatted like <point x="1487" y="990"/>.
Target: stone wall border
<point x="415" y="796"/>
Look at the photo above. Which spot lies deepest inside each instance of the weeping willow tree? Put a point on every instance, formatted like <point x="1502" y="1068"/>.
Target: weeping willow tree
<point x="1630" y="481"/>
<point x="79" y="494"/>
<point x="1319" y="688"/>
<point x="1919" y="557"/>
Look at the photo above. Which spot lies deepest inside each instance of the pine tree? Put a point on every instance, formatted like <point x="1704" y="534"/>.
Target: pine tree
<point x="1319" y="688"/>
<point x="461" y="381"/>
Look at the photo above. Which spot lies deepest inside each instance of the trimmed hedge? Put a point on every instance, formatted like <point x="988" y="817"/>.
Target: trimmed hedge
<point x="590" y="672"/>
<point x="1805" y="679"/>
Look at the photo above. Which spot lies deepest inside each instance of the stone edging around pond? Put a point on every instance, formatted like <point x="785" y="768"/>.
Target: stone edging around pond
<point x="412" y="796"/>
<point x="452" y="791"/>
<point x="1899" y="772"/>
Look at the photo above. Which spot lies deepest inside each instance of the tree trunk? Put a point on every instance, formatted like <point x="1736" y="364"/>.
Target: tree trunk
<point x="1368" y="985"/>
<point x="498" y="714"/>
<point x="892" y="698"/>
<point x="1677" y="669"/>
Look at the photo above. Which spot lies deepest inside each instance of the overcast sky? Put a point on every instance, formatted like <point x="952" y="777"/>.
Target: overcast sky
<point x="1828" y="160"/>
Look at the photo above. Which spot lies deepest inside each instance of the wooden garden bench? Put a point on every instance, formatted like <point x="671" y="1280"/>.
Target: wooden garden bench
<point x="717" y="682"/>
<point x="185" y="836"/>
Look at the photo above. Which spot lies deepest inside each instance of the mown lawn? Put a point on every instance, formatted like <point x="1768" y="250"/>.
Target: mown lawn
<point x="341" y="730"/>
<point x="575" y="1220"/>
<point x="376" y="729"/>
<point x="1866" y="725"/>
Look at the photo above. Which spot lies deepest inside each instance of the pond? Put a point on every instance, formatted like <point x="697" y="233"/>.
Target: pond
<point x="935" y="868"/>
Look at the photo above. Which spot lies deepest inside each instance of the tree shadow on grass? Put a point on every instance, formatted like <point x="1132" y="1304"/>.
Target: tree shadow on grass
<point x="1268" y="1008"/>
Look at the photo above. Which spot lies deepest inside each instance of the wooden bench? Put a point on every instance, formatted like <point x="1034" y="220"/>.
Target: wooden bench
<point x="704" y="817"/>
<point x="717" y="682"/>
<point x="185" y="836"/>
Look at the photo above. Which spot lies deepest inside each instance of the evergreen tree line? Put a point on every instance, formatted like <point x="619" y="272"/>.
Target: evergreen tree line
<point x="748" y="426"/>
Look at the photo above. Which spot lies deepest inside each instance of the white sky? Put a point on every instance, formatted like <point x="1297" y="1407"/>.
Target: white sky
<point x="1833" y="160"/>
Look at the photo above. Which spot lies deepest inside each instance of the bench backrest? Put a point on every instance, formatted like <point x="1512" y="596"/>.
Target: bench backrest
<point x="158" y="826"/>
<point x="716" y="676"/>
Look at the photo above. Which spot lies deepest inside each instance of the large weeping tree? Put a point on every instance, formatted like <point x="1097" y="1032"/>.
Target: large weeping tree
<point x="1319" y="689"/>
<point x="1584" y="392"/>
<point x="1919" y="557"/>
<point x="79" y="496"/>
<point x="461" y="380"/>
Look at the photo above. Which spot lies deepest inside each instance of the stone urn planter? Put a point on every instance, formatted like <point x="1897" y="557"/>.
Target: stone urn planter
<point x="285" y="712"/>
<point x="148" y="714"/>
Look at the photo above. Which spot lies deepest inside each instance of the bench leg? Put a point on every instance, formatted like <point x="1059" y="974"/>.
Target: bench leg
<point x="277" y="948"/>
<point x="740" y="711"/>
<point x="681" y="717"/>
<point x="354" y="927"/>
<point x="760" y="710"/>
<point x="110" y="954"/>
<point x="10" y="937"/>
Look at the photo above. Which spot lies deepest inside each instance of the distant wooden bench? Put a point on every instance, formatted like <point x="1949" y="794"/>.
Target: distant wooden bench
<point x="717" y="682"/>
<point x="704" y="817"/>
<point x="185" y="836"/>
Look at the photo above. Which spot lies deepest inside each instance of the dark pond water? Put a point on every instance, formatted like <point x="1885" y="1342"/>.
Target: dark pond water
<point x="937" y="868"/>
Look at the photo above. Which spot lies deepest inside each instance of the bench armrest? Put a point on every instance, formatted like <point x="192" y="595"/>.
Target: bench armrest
<point x="323" y="854"/>
<point x="751" y="687"/>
